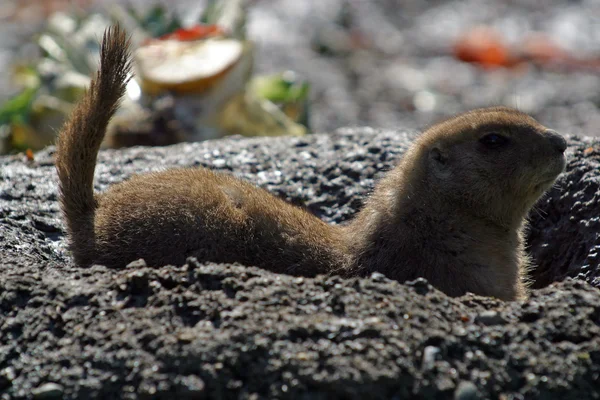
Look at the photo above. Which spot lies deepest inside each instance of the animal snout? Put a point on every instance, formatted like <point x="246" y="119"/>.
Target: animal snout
<point x="557" y="140"/>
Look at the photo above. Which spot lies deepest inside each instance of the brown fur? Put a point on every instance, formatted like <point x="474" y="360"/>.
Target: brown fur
<point x="452" y="211"/>
<point x="80" y="139"/>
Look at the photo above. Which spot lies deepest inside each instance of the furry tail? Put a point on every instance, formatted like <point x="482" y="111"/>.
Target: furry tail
<point x="80" y="139"/>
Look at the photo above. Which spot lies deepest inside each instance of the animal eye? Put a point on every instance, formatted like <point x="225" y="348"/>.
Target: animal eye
<point x="494" y="140"/>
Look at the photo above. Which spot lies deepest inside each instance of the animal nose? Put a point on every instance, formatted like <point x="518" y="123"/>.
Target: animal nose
<point x="557" y="140"/>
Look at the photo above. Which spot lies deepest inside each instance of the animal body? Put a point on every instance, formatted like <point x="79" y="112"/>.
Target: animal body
<point x="452" y="211"/>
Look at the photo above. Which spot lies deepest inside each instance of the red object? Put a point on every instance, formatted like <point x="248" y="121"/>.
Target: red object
<point x="483" y="46"/>
<point x="540" y="48"/>
<point x="193" y="33"/>
<point x="29" y="154"/>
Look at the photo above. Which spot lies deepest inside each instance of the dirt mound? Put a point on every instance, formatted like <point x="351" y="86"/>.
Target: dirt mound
<point x="223" y="331"/>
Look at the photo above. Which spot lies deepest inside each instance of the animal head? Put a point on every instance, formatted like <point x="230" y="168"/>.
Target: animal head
<point x="496" y="160"/>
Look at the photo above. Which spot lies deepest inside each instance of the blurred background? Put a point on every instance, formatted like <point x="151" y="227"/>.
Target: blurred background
<point x="323" y="64"/>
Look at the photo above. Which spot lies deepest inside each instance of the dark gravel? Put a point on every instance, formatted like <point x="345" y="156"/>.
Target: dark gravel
<point x="220" y="331"/>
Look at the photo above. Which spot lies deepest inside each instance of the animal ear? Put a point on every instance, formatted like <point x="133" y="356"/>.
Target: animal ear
<point x="438" y="161"/>
<point x="437" y="156"/>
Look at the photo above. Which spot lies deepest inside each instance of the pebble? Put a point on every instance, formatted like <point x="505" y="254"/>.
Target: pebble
<point x="7" y="375"/>
<point x="378" y="277"/>
<point x="48" y="390"/>
<point x="138" y="281"/>
<point x="466" y="391"/>
<point x="137" y="264"/>
<point x="191" y="385"/>
<point x="430" y="354"/>
<point x="490" y="318"/>
<point x="420" y="285"/>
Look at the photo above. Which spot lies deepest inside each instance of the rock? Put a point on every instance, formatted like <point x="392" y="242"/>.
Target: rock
<point x="48" y="391"/>
<point x="7" y="375"/>
<point x="213" y="330"/>
<point x="430" y="354"/>
<point x="466" y="391"/>
<point x="137" y="282"/>
<point x="490" y="318"/>
<point x="137" y="264"/>
<point x="378" y="277"/>
<point x="420" y="285"/>
<point x="191" y="387"/>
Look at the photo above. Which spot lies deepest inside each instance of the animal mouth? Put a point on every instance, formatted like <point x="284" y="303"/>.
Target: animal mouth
<point x="555" y="168"/>
<point x="545" y="184"/>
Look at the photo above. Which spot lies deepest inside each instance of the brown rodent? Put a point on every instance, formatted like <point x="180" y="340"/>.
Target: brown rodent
<point x="452" y="211"/>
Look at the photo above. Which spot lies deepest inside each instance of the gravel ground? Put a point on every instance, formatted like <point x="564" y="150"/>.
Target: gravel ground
<point x="220" y="331"/>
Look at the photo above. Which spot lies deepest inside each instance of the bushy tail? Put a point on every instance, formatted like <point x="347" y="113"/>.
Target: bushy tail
<point x="80" y="139"/>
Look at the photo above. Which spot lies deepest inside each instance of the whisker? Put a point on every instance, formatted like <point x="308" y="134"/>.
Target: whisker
<point x="541" y="213"/>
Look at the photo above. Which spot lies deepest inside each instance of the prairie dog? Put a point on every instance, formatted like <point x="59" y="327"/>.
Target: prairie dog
<point x="452" y="211"/>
